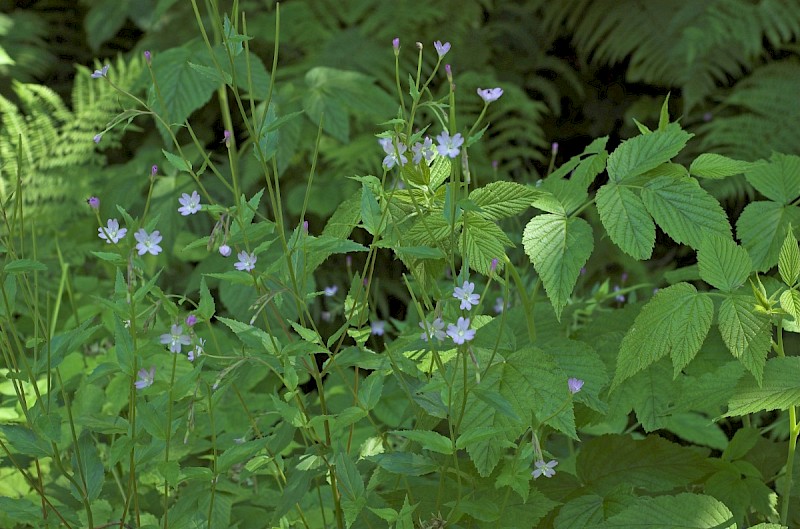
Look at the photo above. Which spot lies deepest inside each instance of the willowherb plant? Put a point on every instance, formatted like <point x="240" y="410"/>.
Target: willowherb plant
<point x="255" y="398"/>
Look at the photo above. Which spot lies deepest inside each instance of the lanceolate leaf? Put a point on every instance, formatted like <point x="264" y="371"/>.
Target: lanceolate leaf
<point x="789" y="260"/>
<point x="558" y="247"/>
<point x="687" y="511"/>
<point x="675" y="322"/>
<point x="626" y="220"/>
<point x="778" y="391"/>
<point x="642" y="153"/>
<point x="502" y="199"/>
<point x="762" y="228"/>
<point x="723" y="264"/>
<point x="747" y="333"/>
<point x="684" y="210"/>
<point x="717" y="166"/>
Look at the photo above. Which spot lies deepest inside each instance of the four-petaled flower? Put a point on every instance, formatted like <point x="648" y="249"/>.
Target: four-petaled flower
<point x="435" y="330"/>
<point x="423" y="150"/>
<point x="112" y="232"/>
<point x="146" y="378"/>
<point x="377" y="327"/>
<point x="441" y="49"/>
<point x="575" y="385"/>
<point x="246" y="262"/>
<point x="490" y="94"/>
<point x="393" y="157"/>
<point x="148" y="243"/>
<point x="464" y="293"/>
<point x="190" y="204"/>
<point x="449" y="146"/>
<point x="197" y="350"/>
<point x="175" y="338"/>
<point x="544" y="469"/>
<point x="331" y="291"/>
<point x="460" y="332"/>
<point x="100" y="73"/>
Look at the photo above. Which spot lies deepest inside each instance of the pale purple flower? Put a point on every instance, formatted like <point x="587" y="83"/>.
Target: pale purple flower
<point x="423" y="150"/>
<point x="574" y="384"/>
<point x="554" y="147"/>
<point x="147" y="56"/>
<point x="396" y="44"/>
<point x="392" y="158"/>
<point x="494" y="264"/>
<point x="544" y="469"/>
<point x="490" y="94"/>
<point x="97" y="138"/>
<point x="154" y="170"/>
<point x="197" y="350"/>
<point x="100" y="73"/>
<point x="226" y="138"/>
<point x="464" y="293"/>
<point x="460" y="332"/>
<point x="191" y="320"/>
<point x="225" y="250"/>
<point x="94" y="202"/>
<point x="583" y="270"/>
<point x="112" y="232"/>
<point x="247" y="261"/>
<point x="190" y="204"/>
<point x="305" y="226"/>
<point x="449" y="146"/>
<point x="175" y="338"/>
<point x="499" y="305"/>
<point x="377" y="327"/>
<point x="449" y="71"/>
<point x="441" y="49"/>
<point x="435" y="330"/>
<point x="148" y="243"/>
<point x="146" y="378"/>
<point x="623" y="277"/>
<point x="619" y="297"/>
<point x="331" y="291"/>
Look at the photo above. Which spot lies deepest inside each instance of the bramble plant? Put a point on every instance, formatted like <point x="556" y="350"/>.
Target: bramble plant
<point x="212" y="357"/>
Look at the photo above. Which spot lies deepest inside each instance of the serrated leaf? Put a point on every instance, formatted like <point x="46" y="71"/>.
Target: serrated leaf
<point x="687" y="511"/>
<point x="723" y="264"/>
<point x="482" y="241"/>
<point x="675" y="322"/>
<point x="778" y="180"/>
<point x="716" y="166"/>
<point x="642" y="153"/>
<point x="684" y="210"/>
<point x="20" y="266"/>
<point x="626" y="220"/>
<point x="371" y="214"/>
<point x="583" y="512"/>
<point x="177" y="162"/>
<point x="588" y="169"/>
<point x="406" y="463"/>
<point x="547" y="202"/>
<point x="206" y="307"/>
<point x="498" y="200"/>
<point x="789" y="260"/>
<point x="558" y="247"/>
<point x="435" y="442"/>
<point x="663" y="117"/>
<point x="747" y="333"/>
<point x="790" y="302"/>
<point x="778" y="391"/>
<point x="762" y="228"/>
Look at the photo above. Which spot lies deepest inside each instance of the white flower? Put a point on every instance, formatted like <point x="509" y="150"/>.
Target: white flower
<point x="247" y="261"/>
<point x="112" y="232"/>
<point x="490" y="94"/>
<point x="189" y="204"/>
<point x="544" y="469"/>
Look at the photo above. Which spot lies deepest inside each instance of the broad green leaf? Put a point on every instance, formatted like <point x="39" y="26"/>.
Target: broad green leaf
<point x="747" y="333"/>
<point x="790" y="302"/>
<point x="578" y="359"/>
<point x="350" y="484"/>
<point x="583" y="512"/>
<point x="547" y="202"/>
<point x="370" y="390"/>
<point x="762" y="228"/>
<point x="588" y="169"/>
<point x="653" y="464"/>
<point x="723" y="264"/>
<point x="24" y="441"/>
<point x="558" y="247"/>
<point x="371" y="214"/>
<point x="684" y="511"/>
<point x="626" y="220"/>
<point x="498" y="200"/>
<point x="675" y="322"/>
<point x="572" y="195"/>
<point x="252" y="336"/>
<point x="778" y="391"/>
<point x="778" y="180"/>
<point x="406" y="463"/>
<point x="435" y="442"/>
<point x="345" y="218"/>
<point x="642" y="153"/>
<point x="104" y="20"/>
<point x="697" y="429"/>
<point x="651" y="394"/>
<point x="481" y="242"/>
<point x="684" y="210"/>
<point x="716" y="166"/>
<point x="789" y="260"/>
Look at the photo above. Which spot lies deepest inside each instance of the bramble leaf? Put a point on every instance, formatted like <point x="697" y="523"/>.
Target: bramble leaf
<point x="640" y="154"/>
<point x="762" y="228"/>
<point x="498" y="200"/>
<point x="626" y="220"/>
<point x="778" y="180"/>
<point x="716" y="166"/>
<point x="747" y="333"/>
<point x="687" y="511"/>
<point x="778" y="391"/>
<point x="723" y="264"/>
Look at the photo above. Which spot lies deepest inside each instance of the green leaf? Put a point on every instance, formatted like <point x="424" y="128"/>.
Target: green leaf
<point x="790" y="302"/>
<point x="588" y="169"/>
<point x="548" y="203"/>
<point x="212" y="73"/>
<point x="370" y="390"/>
<point x="482" y="241"/>
<point x="24" y="441"/>
<point x="177" y="162"/>
<point x="663" y="117"/>
<point x="206" y="307"/>
<point x="653" y="464"/>
<point x="124" y="348"/>
<point x="778" y="391"/>
<point x="643" y="153"/>
<point x="351" y="487"/>
<point x="498" y="200"/>
<point x="789" y="259"/>
<point x="583" y="512"/>
<point x="21" y="266"/>
<point x="723" y="264"/>
<point x="684" y="511"/>
<point x="104" y="20"/>
<point x="762" y="228"/>
<point x="684" y="210"/>
<point x="626" y="220"/>
<point x="435" y="442"/>
<point x="406" y="463"/>
<point x="252" y="336"/>
<point x="778" y="180"/>
<point x="747" y="333"/>
<point x="558" y="247"/>
<point x="716" y="166"/>
<point x="371" y="214"/>
<point x="675" y="322"/>
<point x="267" y="133"/>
